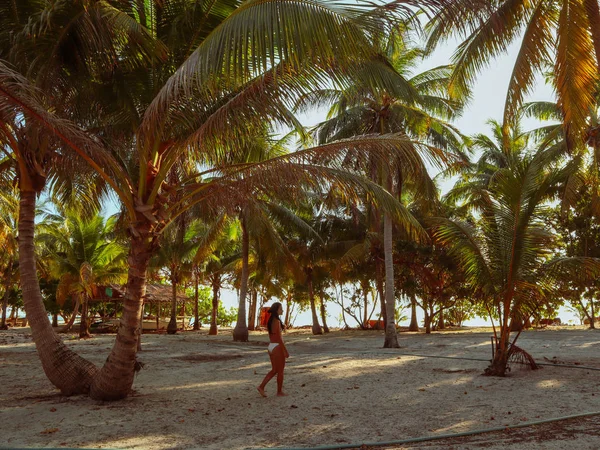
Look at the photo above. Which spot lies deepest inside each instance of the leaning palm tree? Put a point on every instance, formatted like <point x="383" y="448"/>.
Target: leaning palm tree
<point x="196" y="101"/>
<point x="83" y="255"/>
<point x="506" y="257"/>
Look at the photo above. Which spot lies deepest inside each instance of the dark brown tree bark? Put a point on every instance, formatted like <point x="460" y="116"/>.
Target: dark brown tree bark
<point x="115" y="379"/>
<point x="66" y="370"/>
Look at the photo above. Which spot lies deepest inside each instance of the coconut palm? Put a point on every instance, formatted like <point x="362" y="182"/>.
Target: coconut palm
<point x="419" y="108"/>
<point x="9" y="263"/>
<point x="197" y="100"/>
<point x="563" y="35"/>
<point x="178" y="245"/>
<point x="84" y="255"/>
<point x="507" y="257"/>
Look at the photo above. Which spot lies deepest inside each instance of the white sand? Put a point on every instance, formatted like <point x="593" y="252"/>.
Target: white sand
<point x="199" y="391"/>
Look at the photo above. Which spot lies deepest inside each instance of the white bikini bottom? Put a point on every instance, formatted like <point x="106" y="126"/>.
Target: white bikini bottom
<point x="272" y="346"/>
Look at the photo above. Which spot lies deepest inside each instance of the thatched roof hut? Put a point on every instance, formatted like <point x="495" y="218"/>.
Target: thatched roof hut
<point x="155" y="293"/>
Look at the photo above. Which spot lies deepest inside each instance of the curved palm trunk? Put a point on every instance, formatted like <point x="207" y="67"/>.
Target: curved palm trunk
<point x="414" y="325"/>
<point x="64" y="368"/>
<point x="240" y="332"/>
<point x="391" y="337"/>
<point x="115" y="379"/>
<point x="71" y="321"/>
<point x="172" y="327"/>
<point x="84" y="328"/>
<point x="215" y="306"/>
<point x="316" y="327"/>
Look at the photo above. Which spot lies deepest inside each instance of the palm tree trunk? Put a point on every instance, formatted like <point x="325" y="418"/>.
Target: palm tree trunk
<point x="252" y="312"/>
<point x="172" y="327"/>
<point x="240" y="332"/>
<point x="380" y="292"/>
<point x="288" y="302"/>
<point x="71" y="321"/>
<point x="365" y="285"/>
<point x="215" y="306"/>
<point x="84" y="329"/>
<point x="500" y="361"/>
<point x="196" y="299"/>
<point x="323" y="313"/>
<point x="316" y="327"/>
<point x="414" y="325"/>
<point x="7" y="285"/>
<point x="64" y="368"/>
<point x="115" y="379"/>
<point x="391" y="337"/>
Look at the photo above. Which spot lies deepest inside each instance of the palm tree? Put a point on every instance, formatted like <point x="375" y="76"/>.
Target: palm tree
<point x="178" y="245"/>
<point x="9" y="263"/>
<point x="507" y="257"/>
<point x="84" y="255"/>
<point x="419" y="108"/>
<point x="227" y="74"/>
<point x="558" y="34"/>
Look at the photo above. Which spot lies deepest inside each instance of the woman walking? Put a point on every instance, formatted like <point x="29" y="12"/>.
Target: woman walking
<point x="277" y="351"/>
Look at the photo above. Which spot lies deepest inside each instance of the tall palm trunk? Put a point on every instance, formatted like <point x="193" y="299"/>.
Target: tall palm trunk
<point x="240" y="332"/>
<point x="7" y="285"/>
<point x="252" y="312"/>
<point x="64" y="368"/>
<point x="380" y="292"/>
<point x="84" y="328"/>
<point x="288" y="304"/>
<point x="414" y="325"/>
<point x="196" y="299"/>
<point x="215" y="306"/>
<point x="316" y="327"/>
<point x="172" y="326"/>
<point x="391" y="337"/>
<point x="323" y="313"/>
<point x="365" y="290"/>
<point x="115" y="379"/>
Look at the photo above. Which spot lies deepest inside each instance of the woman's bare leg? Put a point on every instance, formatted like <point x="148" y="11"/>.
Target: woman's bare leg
<point x="279" y="365"/>
<point x="271" y="374"/>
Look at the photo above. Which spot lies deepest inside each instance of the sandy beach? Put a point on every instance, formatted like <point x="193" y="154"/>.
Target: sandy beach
<point x="199" y="391"/>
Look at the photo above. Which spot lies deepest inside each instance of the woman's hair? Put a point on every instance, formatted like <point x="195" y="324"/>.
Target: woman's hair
<point x="274" y="311"/>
